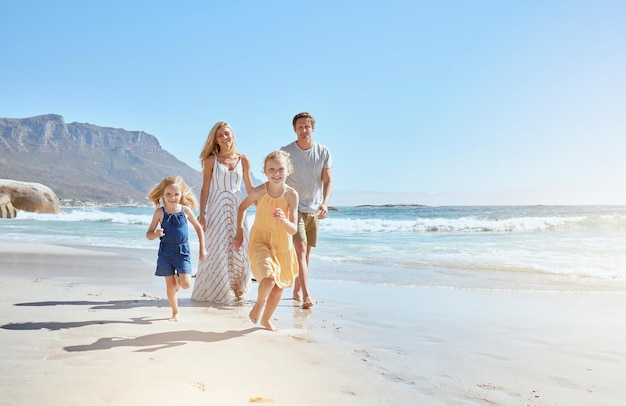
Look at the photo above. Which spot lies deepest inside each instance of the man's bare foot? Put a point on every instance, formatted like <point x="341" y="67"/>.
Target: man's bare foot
<point x="268" y="325"/>
<point x="174" y="317"/>
<point x="307" y="304"/>
<point x="254" y="313"/>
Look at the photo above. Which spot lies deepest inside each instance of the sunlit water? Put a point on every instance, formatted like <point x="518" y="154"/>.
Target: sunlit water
<point x="499" y="247"/>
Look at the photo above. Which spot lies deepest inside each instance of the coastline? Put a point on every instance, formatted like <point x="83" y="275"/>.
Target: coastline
<point x="90" y="327"/>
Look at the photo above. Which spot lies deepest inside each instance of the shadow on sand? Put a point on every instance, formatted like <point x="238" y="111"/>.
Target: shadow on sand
<point x="161" y="341"/>
<point x="156" y="341"/>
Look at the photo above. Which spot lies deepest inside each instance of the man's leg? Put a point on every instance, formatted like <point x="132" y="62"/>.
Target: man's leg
<point x="303" y="281"/>
<point x="298" y="288"/>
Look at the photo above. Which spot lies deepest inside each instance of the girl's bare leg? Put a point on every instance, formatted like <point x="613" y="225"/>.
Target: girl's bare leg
<point x="272" y="303"/>
<point x="184" y="281"/>
<point x="265" y="287"/>
<point x="172" y="286"/>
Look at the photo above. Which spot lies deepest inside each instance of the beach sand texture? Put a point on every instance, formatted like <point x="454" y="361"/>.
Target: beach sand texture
<point x="83" y="327"/>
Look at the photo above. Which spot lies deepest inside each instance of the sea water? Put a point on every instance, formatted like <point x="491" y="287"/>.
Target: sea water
<point x="462" y="247"/>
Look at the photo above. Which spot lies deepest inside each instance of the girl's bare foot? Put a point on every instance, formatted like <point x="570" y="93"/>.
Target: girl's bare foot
<point x="254" y="313"/>
<point x="268" y="325"/>
<point x="174" y="317"/>
<point x="297" y="297"/>
<point x="307" y="304"/>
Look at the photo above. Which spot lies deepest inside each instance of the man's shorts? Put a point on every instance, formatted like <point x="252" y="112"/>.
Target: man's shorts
<point x="308" y="225"/>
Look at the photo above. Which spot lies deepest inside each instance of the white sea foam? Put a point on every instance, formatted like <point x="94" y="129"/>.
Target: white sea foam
<point x="89" y="215"/>
<point x="469" y="224"/>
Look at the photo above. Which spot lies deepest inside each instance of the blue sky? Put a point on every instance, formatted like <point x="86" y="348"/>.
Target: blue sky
<point x="429" y="102"/>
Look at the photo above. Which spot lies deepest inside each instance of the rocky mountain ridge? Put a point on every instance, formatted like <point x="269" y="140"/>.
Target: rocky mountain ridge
<point x="86" y="162"/>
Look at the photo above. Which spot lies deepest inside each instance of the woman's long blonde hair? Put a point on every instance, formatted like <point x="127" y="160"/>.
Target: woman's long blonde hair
<point x="187" y="197"/>
<point x="211" y="146"/>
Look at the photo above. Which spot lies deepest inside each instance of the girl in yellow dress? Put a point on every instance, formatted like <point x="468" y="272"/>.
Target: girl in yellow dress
<point x="270" y="248"/>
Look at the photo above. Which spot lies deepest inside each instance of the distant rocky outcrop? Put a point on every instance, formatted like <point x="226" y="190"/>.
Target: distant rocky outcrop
<point x="85" y="162"/>
<point x="27" y="196"/>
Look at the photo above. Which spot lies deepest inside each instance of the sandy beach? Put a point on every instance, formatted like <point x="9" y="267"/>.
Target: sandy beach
<point x="85" y="327"/>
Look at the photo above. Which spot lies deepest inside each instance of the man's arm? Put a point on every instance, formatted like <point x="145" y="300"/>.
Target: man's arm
<point x="327" y="184"/>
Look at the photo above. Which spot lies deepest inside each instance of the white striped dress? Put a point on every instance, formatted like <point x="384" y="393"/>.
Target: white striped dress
<point x="223" y="270"/>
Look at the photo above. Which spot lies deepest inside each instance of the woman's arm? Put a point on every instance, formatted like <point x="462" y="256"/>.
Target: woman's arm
<point x="247" y="177"/>
<point x="207" y="174"/>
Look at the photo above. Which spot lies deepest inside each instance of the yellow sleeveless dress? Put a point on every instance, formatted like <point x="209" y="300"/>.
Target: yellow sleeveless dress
<point x="270" y="247"/>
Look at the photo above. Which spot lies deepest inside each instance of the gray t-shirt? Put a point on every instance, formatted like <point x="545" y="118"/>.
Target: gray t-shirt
<point x="306" y="177"/>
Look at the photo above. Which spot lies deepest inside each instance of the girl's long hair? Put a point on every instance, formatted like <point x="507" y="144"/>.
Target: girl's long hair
<point x="187" y="197"/>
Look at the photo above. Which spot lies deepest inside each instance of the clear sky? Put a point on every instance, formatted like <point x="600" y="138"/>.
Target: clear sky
<point x="428" y="102"/>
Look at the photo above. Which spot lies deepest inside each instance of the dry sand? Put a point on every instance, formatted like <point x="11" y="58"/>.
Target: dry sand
<point x="81" y="327"/>
<point x="85" y="327"/>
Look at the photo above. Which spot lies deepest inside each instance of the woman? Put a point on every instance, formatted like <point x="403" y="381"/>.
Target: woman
<point x="224" y="269"/>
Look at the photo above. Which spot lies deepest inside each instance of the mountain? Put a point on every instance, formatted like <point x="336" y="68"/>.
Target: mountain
<point x="85" y="162"/>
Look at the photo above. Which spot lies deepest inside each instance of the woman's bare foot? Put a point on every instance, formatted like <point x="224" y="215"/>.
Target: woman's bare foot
<point x="254" y="313"/>
<point x="174" y="317"/>
<point x="268" y="325"/>
<point x="307" y="304"/>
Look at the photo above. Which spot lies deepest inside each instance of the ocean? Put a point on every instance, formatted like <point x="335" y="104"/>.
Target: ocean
<point x="459" y="247"/>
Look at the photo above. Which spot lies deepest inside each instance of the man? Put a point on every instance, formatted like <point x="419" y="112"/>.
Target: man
<point x="311" y="178"/>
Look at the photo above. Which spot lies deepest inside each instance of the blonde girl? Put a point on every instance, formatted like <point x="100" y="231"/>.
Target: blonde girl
<point x="174" y="204"/>
<point x="270" y="247"/>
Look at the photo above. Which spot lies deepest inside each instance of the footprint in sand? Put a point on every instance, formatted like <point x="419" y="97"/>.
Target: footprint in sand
<point x="261" y="400"/>
<point x="302" y="339"/>
<point x="199" y="385"/>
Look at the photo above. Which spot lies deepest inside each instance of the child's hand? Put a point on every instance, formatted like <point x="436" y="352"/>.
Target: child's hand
<point x="280" y="215"/>
<point x="159" y="232"/>
<point x="202" y="254"/>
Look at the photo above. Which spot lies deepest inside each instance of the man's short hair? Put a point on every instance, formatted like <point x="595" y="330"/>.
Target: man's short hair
<point x="306" y="115"/>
